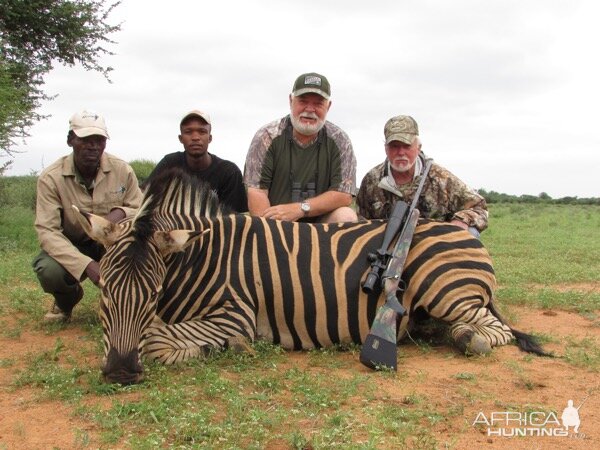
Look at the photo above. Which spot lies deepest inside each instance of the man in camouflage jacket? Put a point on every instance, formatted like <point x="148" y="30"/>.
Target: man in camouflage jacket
<point x="444" y="197"/>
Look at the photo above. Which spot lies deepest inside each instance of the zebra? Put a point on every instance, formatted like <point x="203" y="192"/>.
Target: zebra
<point x="183" y="277"/>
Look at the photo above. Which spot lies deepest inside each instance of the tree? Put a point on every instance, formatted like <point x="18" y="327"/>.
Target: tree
<point x="34" y="36"/>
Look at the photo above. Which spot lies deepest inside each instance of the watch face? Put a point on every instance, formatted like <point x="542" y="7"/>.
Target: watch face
<point x="305" y="207"/>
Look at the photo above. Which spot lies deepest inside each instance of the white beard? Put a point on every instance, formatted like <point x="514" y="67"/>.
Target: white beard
<point x="307" y="129"/>
<point x="404" y="167"/>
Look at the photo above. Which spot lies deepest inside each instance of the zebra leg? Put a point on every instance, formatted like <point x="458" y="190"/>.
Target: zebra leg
<point x="173" y="343"/>
<point x="480" y="332"/>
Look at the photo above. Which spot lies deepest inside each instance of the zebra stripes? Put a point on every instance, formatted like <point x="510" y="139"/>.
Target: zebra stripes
<point x="218" y="279"/>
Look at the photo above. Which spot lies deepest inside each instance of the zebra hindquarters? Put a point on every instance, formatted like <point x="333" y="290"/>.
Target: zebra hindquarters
<point x="449" y="275"/>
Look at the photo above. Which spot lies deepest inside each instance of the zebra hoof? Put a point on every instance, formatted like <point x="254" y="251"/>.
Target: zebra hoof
<point x="478" y="346"/>
<point x="240" y="344"/>
<point x="471" y="343"/>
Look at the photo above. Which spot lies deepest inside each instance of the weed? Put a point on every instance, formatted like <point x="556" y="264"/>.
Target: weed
<point x="464" y="376"/>
<point x="583" y="353"/>
<point x="7" y="362"/>
<point x="522" y="379"/>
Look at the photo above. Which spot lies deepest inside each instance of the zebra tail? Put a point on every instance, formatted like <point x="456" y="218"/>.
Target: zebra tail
<point x="529" y="343"/>
<point x="525" y="342"/>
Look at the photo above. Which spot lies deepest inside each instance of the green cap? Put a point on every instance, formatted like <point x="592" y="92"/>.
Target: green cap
<point x="401" y="128"/>
<point x="312" y="82"/>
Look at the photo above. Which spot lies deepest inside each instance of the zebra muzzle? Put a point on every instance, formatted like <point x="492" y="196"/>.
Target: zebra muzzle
<point x="123" y="369"/>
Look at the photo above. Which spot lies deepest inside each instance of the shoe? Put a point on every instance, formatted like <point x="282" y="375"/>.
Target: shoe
<point x="56" y="315"/>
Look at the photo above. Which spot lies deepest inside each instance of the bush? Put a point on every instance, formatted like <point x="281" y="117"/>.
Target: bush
<point x="16" y="230"/>
<point x="18" y="191"/>
<point x="142" y="168"/>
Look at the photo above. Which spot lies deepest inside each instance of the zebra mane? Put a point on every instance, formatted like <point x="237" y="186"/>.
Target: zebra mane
<point x="173" y="200"/>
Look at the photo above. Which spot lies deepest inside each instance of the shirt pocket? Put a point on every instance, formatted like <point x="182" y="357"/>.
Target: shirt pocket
<point x="113" y="197"/>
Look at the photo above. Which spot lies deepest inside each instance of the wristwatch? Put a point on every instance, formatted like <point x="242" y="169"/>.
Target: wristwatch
<point x="305" y="207"/>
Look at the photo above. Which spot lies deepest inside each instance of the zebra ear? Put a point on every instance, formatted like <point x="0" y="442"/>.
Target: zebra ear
<point x="176" y="240"/>
<point x="98" y="228"/>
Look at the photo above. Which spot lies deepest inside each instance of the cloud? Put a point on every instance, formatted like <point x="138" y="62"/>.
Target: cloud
<point x="505" y="92"/>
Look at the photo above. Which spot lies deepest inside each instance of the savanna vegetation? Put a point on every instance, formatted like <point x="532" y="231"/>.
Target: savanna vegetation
<point x="36" y="36"/>
<point x="547" y="259"/>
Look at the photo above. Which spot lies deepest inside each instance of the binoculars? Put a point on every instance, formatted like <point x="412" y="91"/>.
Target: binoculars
<point x="298" y="194"/>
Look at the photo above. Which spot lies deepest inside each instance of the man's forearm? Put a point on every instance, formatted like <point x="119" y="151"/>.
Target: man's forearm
<point x="258" y="201"/>
<point x="328" y="201"/>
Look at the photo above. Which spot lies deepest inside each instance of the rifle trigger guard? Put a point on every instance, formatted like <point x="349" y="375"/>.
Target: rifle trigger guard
<point x="401" y="286"/>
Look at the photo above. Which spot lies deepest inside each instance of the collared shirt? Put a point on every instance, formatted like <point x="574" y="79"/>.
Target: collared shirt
<point x="444" y="197"/>
<point x="59" y="187"/>
<point x="389" y="184"/>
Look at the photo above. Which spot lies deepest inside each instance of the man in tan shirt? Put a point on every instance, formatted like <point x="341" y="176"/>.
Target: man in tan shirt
<point x="95" y="182"/>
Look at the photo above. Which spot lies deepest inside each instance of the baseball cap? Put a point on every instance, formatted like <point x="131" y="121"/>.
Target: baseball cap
<point x="401" y="128"/>
<point x="87" y="123"/>
<point x="312" y="82"/>
<point x="196" y="113"/>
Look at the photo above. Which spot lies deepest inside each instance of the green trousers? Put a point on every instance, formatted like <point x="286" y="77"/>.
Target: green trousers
<point x="55" y="279"/>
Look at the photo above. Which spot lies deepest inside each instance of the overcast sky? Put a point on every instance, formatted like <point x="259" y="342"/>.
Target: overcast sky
<point x="506" y="93"/>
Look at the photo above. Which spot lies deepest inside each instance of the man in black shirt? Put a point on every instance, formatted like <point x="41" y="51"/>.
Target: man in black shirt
<point x="222" y="175"/>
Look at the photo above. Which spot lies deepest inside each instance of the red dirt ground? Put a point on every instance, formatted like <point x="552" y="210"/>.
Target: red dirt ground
<point x="503" y="380"/>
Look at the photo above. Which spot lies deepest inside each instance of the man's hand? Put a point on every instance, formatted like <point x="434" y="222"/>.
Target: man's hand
<point x="289" y="212"/>
<point x="115" y="215"/>
<point x="460" y="223"/>
<point x="93" y="272"/>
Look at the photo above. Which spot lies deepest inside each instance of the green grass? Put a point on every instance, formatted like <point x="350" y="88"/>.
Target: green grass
<point x="542" y="255"/>
<point x="583" y="353"/>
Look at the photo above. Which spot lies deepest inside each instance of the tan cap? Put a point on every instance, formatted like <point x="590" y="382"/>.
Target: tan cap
<point x="87" y="123"/>
<point x="401" y="128"/>
<point x="196" y="113"/>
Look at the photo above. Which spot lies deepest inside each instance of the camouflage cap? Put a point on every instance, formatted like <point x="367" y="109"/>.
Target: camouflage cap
<point x="401" y="128"/>
<point x="312" y="82"/>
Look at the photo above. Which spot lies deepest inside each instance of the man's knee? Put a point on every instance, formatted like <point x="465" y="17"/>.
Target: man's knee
<point x="343" y="214"/>
<point x="53" y="277"/>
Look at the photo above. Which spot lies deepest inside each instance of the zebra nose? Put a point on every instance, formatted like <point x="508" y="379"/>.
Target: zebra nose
<point x="123" y="369"/>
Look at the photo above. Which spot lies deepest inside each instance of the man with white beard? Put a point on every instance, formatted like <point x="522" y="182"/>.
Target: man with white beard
<point x="444" y="197"/>
<point x="302" y="167"/>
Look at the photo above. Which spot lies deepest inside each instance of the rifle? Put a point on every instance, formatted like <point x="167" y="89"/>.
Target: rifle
<point x="380" y="346"/>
